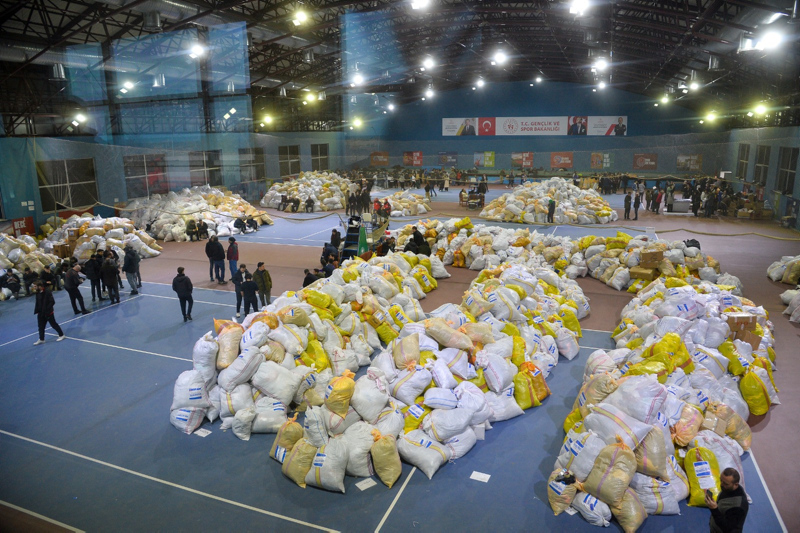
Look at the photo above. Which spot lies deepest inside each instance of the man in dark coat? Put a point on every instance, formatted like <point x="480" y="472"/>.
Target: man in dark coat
<point x="249" y="293"/>
<point x="109" y="273"/>
<point x="71" y="283"/>
<point x="264" y="283"/>
<point x="44" y="312"/>
<point x="182" y="286"/>
<point x="417" y="237"/>
<point x="238" y="279"/>
<point x="92" y="270"/>
<point x="216" y="258"/>
<point x="628" y="206"/>
<point x="309" y="279"/>
<point x="130" y="264"/>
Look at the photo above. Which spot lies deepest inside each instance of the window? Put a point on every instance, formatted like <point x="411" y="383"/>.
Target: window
<point x="145" y="175"/>
<point x="251" y="165"/>
<point x="66" y="184"/>
<point x="205" y="168"/>
<point x="319" y="157"/>
<point x="744" y="157"/>
<point x="289" y="160"/>
<point x="787" y="167"/>
<point x="762" y="165"/>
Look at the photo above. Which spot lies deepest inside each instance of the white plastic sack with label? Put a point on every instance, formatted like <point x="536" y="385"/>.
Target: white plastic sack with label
<point x="358" y="438"/>
<point x="418" y="449"/>
<point x="409" y="384"/>
<point x="457" y="361"/>
<point x="187" y="419"/>
<point x="598" y="362"/>
<point x="640" y="397"/>
<point x="608" y="422"/>
<point x="314" y="429"/>
<point x="230" y="402"/>
<point x="567" y="343"/>
<point x="276" y="381"/>
<point x="329" y="466"/>
<point x="591" y="509"/>
<point x="242" y="424"/>
<point x="441" y="374"/>
<point x="503" y="405"/>
<point x="442" y="424"/>
<point x="471" y="397"/>
<point x="498" y="372"/>
<point x="336" y="424"/>
<point x="371" y="395"/>
<point x="190" y="391"/>
<point x="462" y="443"/>
<point x="391" y="420"/>
<point x="270" y="415"/>
<point x="440" y="398"/>
<point x="204" y="357"/>
<point x="656" y="496"/>
<point x="241" y="370"/>
<point x="255" y="335"/>
<point x="579" y="452"/>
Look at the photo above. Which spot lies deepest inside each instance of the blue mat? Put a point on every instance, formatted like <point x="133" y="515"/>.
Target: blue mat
<point x="108" y="400"/>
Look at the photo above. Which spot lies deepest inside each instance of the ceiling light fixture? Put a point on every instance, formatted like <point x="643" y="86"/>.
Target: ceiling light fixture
<point x="538" y="79"/>
<point x="80" y="118"/>
<point x="702" y="121"/>
<point x="196" y="51"/>
<point x="711" y="116"/>
<point x="268" y="119"/>
<point x="420" y="4"/>
<point x="500" y="57"/>
<point x="601" y="64"/>
<point x="760" y="109"/>
<point x="299" y="18"/>
<point x="391" y="107"/>
<point x="358" y="79"/>
<point x="578" y="7"/>
<point x="123" y="90"/>
<point x="428" y="62"/>
<point x="601" y="85"/>
<point x="665" y="99"/>
<point x="480" y="83"/>
<point x="749" y="113"/>
<point x="357" y="123"/>
<point x="429" y="93"/>
<point x="128" y="85"/>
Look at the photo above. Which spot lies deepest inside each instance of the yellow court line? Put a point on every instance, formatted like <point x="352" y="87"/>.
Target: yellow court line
<point x="169" y="483"/>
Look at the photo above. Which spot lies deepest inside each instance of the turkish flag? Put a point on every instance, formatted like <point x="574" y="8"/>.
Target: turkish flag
<point x="486" y="126"/>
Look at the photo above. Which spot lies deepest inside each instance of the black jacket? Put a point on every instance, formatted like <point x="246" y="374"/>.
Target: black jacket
<point x="627" y="202"/>
<point x="92" y="269"/>
<point x="44" y="303"/>
<point x="72" y="280"/>
<point x="182" y="285"/>
<point x="238" y="277"/>
<point x="109" y="273"/>
<point x="731" y="512"/>
<point x="309" y="279"/>
<point x="250" y="290"/>
<point x="417" y="237"/>
<point x="131" y="262"/>
<point x="215" y="251"/>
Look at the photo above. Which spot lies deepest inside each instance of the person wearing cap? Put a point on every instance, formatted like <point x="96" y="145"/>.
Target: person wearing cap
<point x="249" y="290"/>
<point x="263" y="281"/>
<point x="233" y="255"/>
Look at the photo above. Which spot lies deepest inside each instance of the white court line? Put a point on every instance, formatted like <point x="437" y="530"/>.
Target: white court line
<point x="168" y="483"/>
<point x="40" y="517"/>
<point x="123" y="348"/>
<point x="594" y="348"/>
<point x="311" y="235"/>
<point x="596" y="330"/>
<point x="67" y="321"/>
<point x="769" y="494"/>
<point x="389" y="510"/>
<point x="195" y="301"/>
<point x="170" y="285"/>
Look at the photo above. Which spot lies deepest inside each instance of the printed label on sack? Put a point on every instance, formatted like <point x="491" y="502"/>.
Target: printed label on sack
<point x="590" y="501"/>
<point x="386" y="267"/>
<point x="510" y="392"/>
<point x="557" y="487"/>
<point x="537" y="372"/>
<point x="702" y="471"/>
<point x="196" y="393"/>
<point x="319" y="460"/>
<point x="311" y="380"/>
<point x="727" y="301"/>
<point x="582" y="399"/>
<point x="380" y="316"/>
<point x="280" y="453"/>
<point x="328" y="391"/>
<point x="278" y="407"/>
<point x="624" y="369"/>
<point x="416" y="411"/>
<point x="672" y="390"/>
<point x="576" y="448"/>
<point x="552" y="349"/>
<point x="538" y="320"/>
<point x="425" y="443"/>
<point x="673" y="292"/>
<point x="661" y="419"/>
<point x="586" y="305"/>
<point x="470" y="300"/>
<point x="492" y="297"/>
<point x="743" y="361"/>
<point x="702" y="398"/>
<point x="700" y="356"/>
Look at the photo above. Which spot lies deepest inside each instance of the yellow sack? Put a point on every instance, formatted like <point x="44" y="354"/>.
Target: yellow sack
<point x="702" y="470"/>
<point x="736" y="427"/>
<point x="519" y="290"/>
<point x="294" y="315"/>
<point x="228" y="340"/>
<point x="686" y="428"/>
<point x="766" y="365"/>
<point x="480" y="381"/>
<point x="656" y="368"/>
<point x="574" y="417"/>
<point x="438" y="330"/>
<point x="340" y="390"/>
<point x="674" y="282"/>
<point x="754" y="393"/>
<point x="426" y="281"/>
<point x="651" y="455"/>
<point x="666" y="268"/>
<point x="735" y="359"/>
<point x="406" y="350"/>
<point x="414" y="414"/>
<point x="316" y="298"/>
<point x="219" y="324"/>
<point x="518" y="351"/>
<point x="270" y="319"/>
<point x="630" y="513"/>
<point x="398" y="315"/>
<point x="298" y="462"/>
<point x="530" y="388"/>
<point x="615" y="243"/>
<point x="464" y="223"/>
<point x="385" y="458"/>
<point x="289" y="433"/>
<point x="317" y="352"/>
<point x="426" y="262"/>
<point x="425" y="356"/>
<point x="479" y="332"/>
<point x="560" y="495"/>
<point x="475" y="303"/>
<point x="594" y="391"/>
<point x="413" y="260"/>
<point x="386" y="333"/>
<point x="570" y="321"/>
<point x="612" y="473"/>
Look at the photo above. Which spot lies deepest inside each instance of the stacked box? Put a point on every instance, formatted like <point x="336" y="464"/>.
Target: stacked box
<point x="651" y="259"/>
<point x="740" y="321"/>
<point x="647" y="274"/>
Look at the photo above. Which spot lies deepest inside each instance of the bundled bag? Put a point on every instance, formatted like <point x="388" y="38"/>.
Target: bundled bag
<point x="630" y="513"/>
<point x="611" y="423"/>
<point x="187" y="419"/>
<point x="462" y="443"/>
<point x="328" y="466"/>
<point x="242" y="424"/>
<point x="339" y="392"/>
<point x="276" y="381"/>
<point x="359" y="440"/>
<point x="410" y="383"/>
<point x="594" y="392"/>
<point x="289" y="433"/>
<point x="503" y="406"/>
<point x="689" y="424"/>
<point x="560" y="494"/>
<point x="640" y="397"/>
<point x="702" y="471"/>
<point x="443" y="424"/>
<point x="611" y="474"/>
<point x="579" y="453"/>
<point x="498" y="372"/>
<point x="204" y="357"/>
<point x="406" y="350"/>
<point x="592" y="510"/>
<point x="438" y="330"/>
<point x="530" y="387"/>
<point x="371" y="394"/>
<point x="241" y="369"/>
<point x="228" y="339"/>
<point x="190" y="392"/>
<point x="270" y="416"/>
<point x="419" y="450"/>
<point x="655" y="495"/>
<point x="385" y="458"/>
<point x="651" y="455"/>
<point x="297" y="463"/>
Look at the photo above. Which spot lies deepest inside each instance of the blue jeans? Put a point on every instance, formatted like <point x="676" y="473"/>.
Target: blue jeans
<point x="219" y="270"/>
<point x="234" y="265"/>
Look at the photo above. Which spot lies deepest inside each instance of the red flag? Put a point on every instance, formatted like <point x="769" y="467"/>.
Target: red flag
<point x="486" y="126"/>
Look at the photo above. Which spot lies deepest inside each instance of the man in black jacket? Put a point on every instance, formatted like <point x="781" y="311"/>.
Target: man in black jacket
<point x="249" y="292"/>
<point x="130" y="264"/>
<point x="417" y="237"/>
<point x="729" y="511"/>
<point x="182" y="286"/>
<point x="109" y="273"/>
<point x="28" y="277"/>
<point x="71" y="283"/>
<point x="44" y="311"/>
<point x="92" y="271"/>
<point x="216" y="259"/>
<point x="238" y="279"/>
<point x="309" y="279"/>
<point x="48" y="278"/>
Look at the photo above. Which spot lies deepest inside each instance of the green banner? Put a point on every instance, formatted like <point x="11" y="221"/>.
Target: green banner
<point x="362" y="241"/>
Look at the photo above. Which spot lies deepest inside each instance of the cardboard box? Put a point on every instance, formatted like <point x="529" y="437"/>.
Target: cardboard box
<point x="743" y="213"/>
<point x="714" y="423"/>
<point x="647" y="274"/>
<point x="651" y="259"/>
<point x="72" y="234"/>
<point x="62" y="250"/>
<point x="741" y="321"/>
<point x="749" y="337"/>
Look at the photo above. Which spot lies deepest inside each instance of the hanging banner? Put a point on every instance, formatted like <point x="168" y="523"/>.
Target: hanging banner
<point x="563" y="125"/>
<point x="412" y="159"/>
<point x="645" y="161"/>
<point x="690" y="163"/>
<point x="448" y="158"/>
<point x="379" y="159"/>
<point x="24" y="226"/>
<point x="560" y="159"/>
<point x="600" y="160"/>
<point x="522" y="159"/>
<point x="484" y="159"/>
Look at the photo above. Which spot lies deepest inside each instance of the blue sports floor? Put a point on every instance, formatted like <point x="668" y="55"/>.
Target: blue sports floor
<point x="86" y="441"/>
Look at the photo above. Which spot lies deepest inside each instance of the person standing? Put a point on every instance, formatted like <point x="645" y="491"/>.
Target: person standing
<point x="48" y="278"/>
<point x="551" y="211"/>
<point x="45" y="312"/>
<point x="627" y="206"/>
<point x="71" y="283"/>
<point x="637" y="202"/>
<point x="238" y="279"/>
<point x="670" y="198"/>
<point x="182" y="286"/>
<point x="232" y="255"/>
<point x="216" y="257"/>
<point x="648" y="195"/>
<point x="130" y="264"/>
<point x="658" y="200"/>
<point x="729" y="510"/>
<point x="109" y="273"/>
<point x="263" y="281"/>
<point x="249" y="290"/>
<point x="92" y="271"/>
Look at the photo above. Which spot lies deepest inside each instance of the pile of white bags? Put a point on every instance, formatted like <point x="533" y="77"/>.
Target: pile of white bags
<point x="406" y="203"/>
<point x="787" y="270"/>
<point x="327" y="190"/>
<point x="165" y="216"/>
<point x="97" y="234"/>
<point x="791" y="299"/>
<point x="435" y="383"/>
<point x="671" y="401"/>
<point x="18" y="253"/>
<point x="528" y="204"/>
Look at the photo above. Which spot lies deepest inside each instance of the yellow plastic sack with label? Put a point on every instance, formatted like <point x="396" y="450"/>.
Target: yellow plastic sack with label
<point x="651" y="455"/>
<point x="425" y="279"/>
<point x="656" y="368"/>
<point x="560" y="495"/>
<point x="735" y="426"/>
<point x="686" y="428"/>
<point x="270" y="319"/>
<point x="630" y="513"/>
<point x="414" y="414"/>
<point x="612" y="473"/>
<point x="574" y="417"/>
<point x="518" y="351"/>
<point x="530" y="388"/>
<point x="316" y="298"/>
<point x="340" y="390"/>
<point x="289" y="433"/>
<point x="317" y="352"/>
<point x="228" y="340"/>
<point x="754" y="392"/>
<point x="298" y="462"/>
<point x="294" y="315"/>
<point x="399" y="316"/>
<point x="728" y="349"/>
<point x="385" y="458"/>
<point x="702" y="470"/>
<point x="406" y="350"/>
<point x="570" y="321"/>
<point x="438" y="330"/>
<point x="594" y="391"/>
